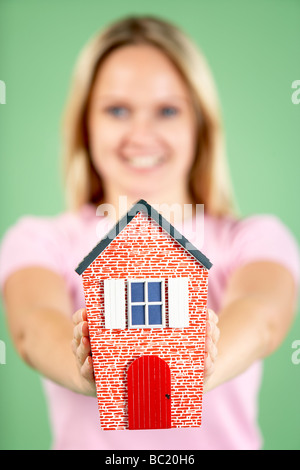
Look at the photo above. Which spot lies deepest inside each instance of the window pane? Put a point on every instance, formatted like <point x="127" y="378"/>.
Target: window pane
<point x="137" y="292"/>
<point x="155" y="315"/>
<point x="138" y="315"/>
<point x="154" y="291"/>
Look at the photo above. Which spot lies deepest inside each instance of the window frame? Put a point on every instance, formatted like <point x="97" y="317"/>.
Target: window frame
<point x="146" y="302"/>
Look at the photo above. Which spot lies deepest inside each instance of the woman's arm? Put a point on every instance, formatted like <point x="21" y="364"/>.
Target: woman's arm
<point x="50" y="340"/>
<point x="257" y="312"/>
<point x="39" y="313"/>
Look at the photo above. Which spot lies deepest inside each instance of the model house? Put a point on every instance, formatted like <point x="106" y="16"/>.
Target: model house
<point x="145" y="290"/>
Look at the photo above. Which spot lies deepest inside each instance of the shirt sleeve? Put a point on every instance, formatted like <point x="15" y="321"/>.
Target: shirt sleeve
<point x="30" y="242"/>
<point x="264" y="238"/>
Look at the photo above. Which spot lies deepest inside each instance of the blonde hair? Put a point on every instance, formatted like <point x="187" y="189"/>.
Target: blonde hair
<point x="209" y="181"/>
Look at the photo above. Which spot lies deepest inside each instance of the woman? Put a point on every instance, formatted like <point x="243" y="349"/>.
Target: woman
<point x="143" y="121"/>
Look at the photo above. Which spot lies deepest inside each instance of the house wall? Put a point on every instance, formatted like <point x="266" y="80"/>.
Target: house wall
<point x="144" y="249"/>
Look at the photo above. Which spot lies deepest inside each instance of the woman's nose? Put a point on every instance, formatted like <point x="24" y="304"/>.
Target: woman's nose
<point x="142" y="130"/>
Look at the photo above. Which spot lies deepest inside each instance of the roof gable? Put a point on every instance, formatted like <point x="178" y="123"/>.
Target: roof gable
<point x="145" y="208"/>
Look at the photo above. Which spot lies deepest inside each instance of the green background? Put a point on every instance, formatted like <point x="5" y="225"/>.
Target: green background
<point x="253" y="49"/>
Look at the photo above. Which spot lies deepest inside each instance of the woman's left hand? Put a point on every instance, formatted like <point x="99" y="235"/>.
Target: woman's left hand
<point x="212" y="338"/>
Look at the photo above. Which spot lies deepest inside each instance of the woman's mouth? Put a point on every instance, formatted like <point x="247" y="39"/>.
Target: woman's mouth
<point x="145" y="162"/>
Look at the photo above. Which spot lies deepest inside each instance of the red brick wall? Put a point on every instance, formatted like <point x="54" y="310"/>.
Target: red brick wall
<point x="144" y="250"/>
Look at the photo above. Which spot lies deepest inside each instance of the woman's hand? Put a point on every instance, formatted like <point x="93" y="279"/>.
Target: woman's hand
<point x="212" y="338"/>
<point x="82" y="351"/>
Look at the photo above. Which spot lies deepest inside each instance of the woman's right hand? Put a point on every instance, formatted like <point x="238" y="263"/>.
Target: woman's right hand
<point x="82" y="351"/>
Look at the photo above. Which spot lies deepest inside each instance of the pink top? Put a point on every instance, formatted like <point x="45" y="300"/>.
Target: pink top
<point x="230" y="411"/>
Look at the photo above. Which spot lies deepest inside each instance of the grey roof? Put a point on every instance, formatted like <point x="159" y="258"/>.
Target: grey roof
<point x="142" y="206"/>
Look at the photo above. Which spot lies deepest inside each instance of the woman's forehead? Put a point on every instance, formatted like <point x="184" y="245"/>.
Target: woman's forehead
<point x="139" y="69"/>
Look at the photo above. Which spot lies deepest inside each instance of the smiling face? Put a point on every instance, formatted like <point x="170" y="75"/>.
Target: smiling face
<point x="141" y="126"/>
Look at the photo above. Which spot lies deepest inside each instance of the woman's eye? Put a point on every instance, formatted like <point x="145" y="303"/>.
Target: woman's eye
<point x="169" y="111"/>
<point x="117" y="111"/>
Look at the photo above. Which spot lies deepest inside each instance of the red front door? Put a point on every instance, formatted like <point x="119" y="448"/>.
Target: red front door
<point x="149" y="394"/>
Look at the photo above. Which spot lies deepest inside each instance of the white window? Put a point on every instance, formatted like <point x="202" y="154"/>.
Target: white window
<point x="146" y="303"/>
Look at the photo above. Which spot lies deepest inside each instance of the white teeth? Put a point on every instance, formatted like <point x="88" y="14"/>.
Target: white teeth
<point x="145" y="161"/>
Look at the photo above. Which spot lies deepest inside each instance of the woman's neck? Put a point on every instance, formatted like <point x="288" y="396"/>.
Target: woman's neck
<point x="173" y="208"/>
